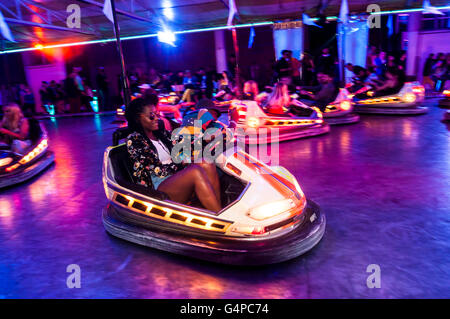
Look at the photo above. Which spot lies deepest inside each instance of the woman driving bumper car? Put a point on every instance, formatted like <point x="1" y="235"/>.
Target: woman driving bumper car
<point x="265" y="217"/>
<point x="279" y="102"/>
<point x="14" y="130"/>
<point x="150" y="151"/>
<point x="392" y="85"/>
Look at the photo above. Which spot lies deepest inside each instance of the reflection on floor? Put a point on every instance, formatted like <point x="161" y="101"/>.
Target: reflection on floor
<point x="384" y="185"/>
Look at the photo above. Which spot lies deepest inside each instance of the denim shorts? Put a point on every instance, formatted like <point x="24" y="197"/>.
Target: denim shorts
<point x="156" y="180"/>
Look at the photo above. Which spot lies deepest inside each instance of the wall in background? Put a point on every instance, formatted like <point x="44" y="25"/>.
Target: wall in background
<point x="46" y="65"/>
<point x="11" y="69"/>
<point x="429" y="42"/>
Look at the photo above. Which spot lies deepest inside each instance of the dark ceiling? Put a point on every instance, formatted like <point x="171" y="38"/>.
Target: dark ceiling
<point x="44" y="21"/>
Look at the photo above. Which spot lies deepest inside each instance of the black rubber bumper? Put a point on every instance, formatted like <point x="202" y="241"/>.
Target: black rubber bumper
<point x="444" y="103"/>
<point x="340" y="120"/>
<point x="219" y="249"/>
<point x="364" y="109"/>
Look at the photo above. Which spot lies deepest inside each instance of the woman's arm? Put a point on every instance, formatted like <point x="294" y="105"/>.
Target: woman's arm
<point x="22" y="135"/>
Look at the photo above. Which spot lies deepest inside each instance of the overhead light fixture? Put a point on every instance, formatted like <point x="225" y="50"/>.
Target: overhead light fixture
<point x="166" y="36"/>
<point x="168" y="10"/>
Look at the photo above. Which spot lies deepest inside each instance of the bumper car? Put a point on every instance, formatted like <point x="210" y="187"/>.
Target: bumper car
<point x="341" y="110"/>
<point x="223" y="106"/>
<point x="17" y="168"/>
<point x="120" y="112"/>
<point x="406" y="102"/>
<point x="265" y="219"/>
<point x="446" y="117"/>
<point x="254" y="126"/>
<point x="445" y="102"/>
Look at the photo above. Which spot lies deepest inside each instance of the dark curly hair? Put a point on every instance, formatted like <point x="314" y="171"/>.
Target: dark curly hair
<point x="134" y="110"/>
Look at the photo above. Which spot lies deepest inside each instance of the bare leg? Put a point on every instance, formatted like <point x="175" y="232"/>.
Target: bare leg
<point x="211" y="171"/>
<point x="194" y="178"/>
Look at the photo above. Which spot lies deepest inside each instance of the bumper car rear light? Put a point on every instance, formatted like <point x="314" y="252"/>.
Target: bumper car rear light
<point x="259" y="230"/>
<point x="249" y="230"/>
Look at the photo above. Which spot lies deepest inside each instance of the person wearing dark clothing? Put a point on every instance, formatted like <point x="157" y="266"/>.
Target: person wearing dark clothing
<point x="283" y="65"/>
<point x="73" y="92"/>
<point x="45" y="96"/>
<point x="103" y="91"/>
<point x="28" y="102"/>
<point x="150" y="149"/>
<point x="307" y="69"/>
<point x="325" y="62"/>
<point x="359" y="78"/>
<point x="320" y="95"/>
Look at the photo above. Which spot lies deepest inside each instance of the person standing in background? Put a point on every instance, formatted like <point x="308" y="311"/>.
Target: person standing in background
<point x="295" y="65"/>
<point x="325" y="62"/>
<point x="283" y="66"/>
<point x="73" y="92"/>
<point x="428" y="70"/>
<point x="381" y="65"/>
<point x="307" y="69"/>
<point x="102" y="87"/>
<point x="27" y="100"/>
<point x="371" y="56"/>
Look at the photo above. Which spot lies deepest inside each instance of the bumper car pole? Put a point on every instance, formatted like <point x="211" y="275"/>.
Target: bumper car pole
<point x="125" y="84"/>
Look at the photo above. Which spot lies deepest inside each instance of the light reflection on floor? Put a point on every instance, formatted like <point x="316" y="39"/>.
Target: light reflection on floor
<point x="384" y="185"/>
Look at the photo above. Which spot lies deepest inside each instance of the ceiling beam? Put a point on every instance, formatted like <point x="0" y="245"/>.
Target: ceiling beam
<point x="122" y="12"/>
<point x="46" y="26"/>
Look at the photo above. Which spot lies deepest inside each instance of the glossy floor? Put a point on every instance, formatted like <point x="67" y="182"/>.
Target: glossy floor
<point x="384" y="185"/>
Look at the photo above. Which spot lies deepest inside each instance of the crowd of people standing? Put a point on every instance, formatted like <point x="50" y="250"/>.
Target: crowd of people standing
<point x="75" y="93"/>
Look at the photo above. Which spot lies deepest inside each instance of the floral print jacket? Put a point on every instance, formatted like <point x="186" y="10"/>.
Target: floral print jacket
<point x="145" y="159"/>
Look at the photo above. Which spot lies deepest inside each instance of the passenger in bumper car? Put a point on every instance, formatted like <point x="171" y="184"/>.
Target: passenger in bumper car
<point x="250" y="91"/>
<point x="320" y="95"/>
<point x="280" y="103"/>
<point x="14" y="130"/>
<point x="150" y="148"/>
<point x="359" y="78"/>
<point x="394" y="82"/>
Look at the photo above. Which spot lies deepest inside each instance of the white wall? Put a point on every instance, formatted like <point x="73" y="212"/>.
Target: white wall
<point x="288" y="39"/>
<point x="431" y="42"/>
<point x="35" y="74"/>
